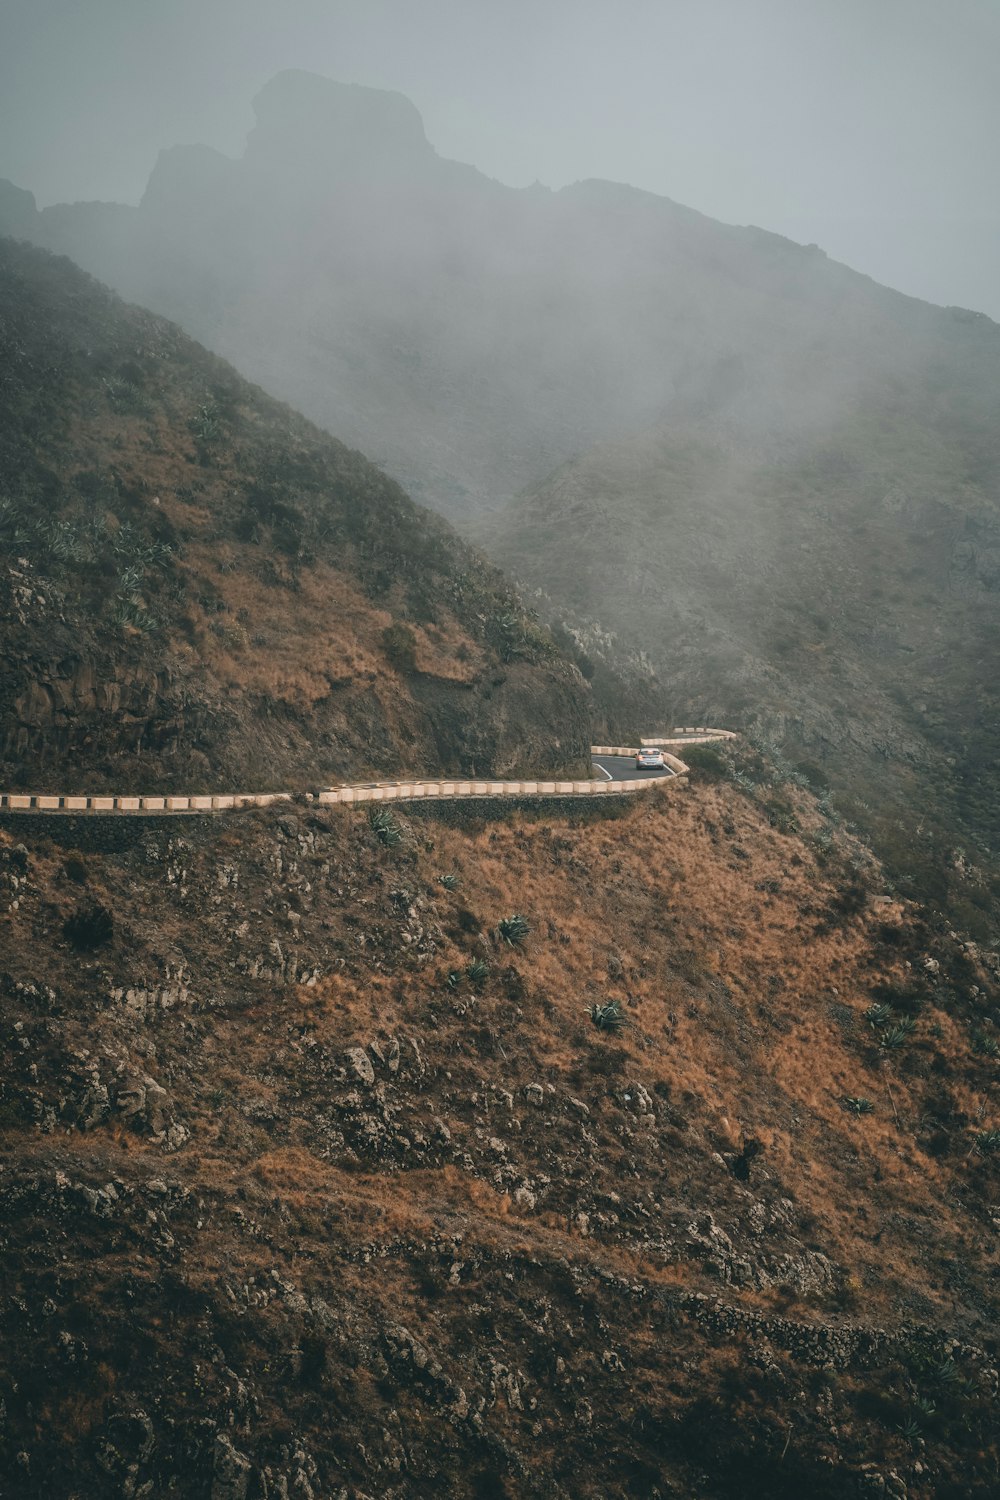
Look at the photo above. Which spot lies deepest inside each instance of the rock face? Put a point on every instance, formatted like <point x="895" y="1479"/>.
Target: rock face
<point x="199" y="591"/>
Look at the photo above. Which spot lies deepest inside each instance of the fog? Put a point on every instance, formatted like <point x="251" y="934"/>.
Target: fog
<point x="510" y="254"/>
<point x="865" y="127"/>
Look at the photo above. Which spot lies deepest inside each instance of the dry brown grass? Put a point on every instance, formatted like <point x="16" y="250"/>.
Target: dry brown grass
<point x="689" y="927"/>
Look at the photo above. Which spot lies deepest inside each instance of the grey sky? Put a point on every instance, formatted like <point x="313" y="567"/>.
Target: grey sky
<point x="869" y="126"/>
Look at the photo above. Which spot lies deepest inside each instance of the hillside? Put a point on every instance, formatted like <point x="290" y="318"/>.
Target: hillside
<point x="772" y="476"/>
<point x="202" y="591"/>
<point x="315" y="1185"/>
<point x="837" y="598"/>
<point x="472" y="336"/>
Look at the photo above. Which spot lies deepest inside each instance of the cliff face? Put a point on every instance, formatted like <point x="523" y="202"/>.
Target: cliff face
<point x="201" y="590"/>
<point x="315" y="1182"/>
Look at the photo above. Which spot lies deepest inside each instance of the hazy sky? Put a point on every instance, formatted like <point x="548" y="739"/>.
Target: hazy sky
<point x="869" y="126"/>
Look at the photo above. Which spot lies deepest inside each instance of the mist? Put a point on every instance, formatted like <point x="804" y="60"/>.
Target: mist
<point x="864" y="128"/>
<point x="500" y="260"/>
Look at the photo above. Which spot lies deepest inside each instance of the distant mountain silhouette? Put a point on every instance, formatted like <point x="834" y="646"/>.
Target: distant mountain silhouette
<point x="469" y="335"/>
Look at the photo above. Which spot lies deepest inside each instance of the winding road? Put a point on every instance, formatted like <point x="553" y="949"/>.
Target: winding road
<point x="616" y="763"/>
<point x="623" y="768"/>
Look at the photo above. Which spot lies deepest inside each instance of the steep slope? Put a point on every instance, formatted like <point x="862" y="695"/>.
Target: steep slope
<point x="473" y="336"/>
<point x="315" y="1185"/>
<point x="838" y="597"/>
<point x="202" y="591"/>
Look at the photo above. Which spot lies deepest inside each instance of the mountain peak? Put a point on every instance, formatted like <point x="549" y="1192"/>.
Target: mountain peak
<point x="304" y="118"/>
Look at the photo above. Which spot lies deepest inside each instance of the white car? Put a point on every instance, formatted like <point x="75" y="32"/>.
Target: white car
<point x="649" y="760"/>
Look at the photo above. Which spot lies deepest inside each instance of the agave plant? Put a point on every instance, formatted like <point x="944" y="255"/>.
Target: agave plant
<point x="878" y="1015"/>
<point x="513" y="929"/>
<point x="63" y="540"/>
<point x="986" y="1046"/>
<point x="384" y="826"/>
<point x="205" y="424"/>
<point x="988" y="1142"/>
<point x="130" y="579"/>
<point x="454" y="979"/>
<point x="450" y="882"/>
<point x="478" y="971"/>
<point x="857" y="1105"/>
<point x="898" y="1035"/>
<point x="607" y="1017"/>
<point x="946" y="1373"/>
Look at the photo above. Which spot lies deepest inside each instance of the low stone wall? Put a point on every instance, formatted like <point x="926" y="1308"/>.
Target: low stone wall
<point x="24" y="802"/>
<point x="421" y="791"/>
<point x="43" y="806"/>
<point x="697" y="736"/>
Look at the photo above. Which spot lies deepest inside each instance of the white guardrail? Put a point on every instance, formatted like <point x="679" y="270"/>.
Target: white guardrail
<point x="401" y="791"/>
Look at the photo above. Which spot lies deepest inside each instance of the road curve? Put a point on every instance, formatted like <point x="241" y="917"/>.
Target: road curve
<point x="624" y="768"/>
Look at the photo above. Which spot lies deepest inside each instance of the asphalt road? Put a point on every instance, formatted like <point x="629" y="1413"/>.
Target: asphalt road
<point x="623" y="768"/>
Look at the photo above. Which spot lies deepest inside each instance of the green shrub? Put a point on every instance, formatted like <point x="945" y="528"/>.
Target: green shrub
<point x="89" y="927"/>
<point x="706" y="759"/>
<point x="400" y="646"/>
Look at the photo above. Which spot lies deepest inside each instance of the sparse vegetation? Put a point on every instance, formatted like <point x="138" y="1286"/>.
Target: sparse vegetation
<point x="199" y="545"/>
<point x="608" y="1016"/>
<point x="513" y="930"/>
<point x="857" y="1104"/>
<point x="987" y="1142"/>
<point x="897" y="1035"/>
<point x="89" y="927"/>
<point x="385" y="826"/>
<point x="400" y="646"/>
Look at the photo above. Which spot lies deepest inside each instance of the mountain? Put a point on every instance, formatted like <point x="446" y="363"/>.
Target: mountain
<point x="202" y="591"/>
<point x="761" y="482"/>
<point x="470" y="336"/>
<point x="316" y="1185"/>
<point x="835" y="594"/>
